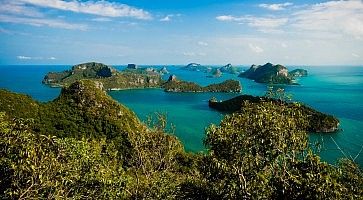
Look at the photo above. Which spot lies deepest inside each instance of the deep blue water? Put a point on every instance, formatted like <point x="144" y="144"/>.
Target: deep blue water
<point x="335" y="90"/>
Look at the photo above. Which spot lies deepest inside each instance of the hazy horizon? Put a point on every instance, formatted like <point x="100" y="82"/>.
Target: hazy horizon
<point x="214" y="32"/>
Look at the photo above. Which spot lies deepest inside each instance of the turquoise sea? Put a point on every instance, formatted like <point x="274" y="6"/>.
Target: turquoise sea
<point x="336" y="90"/>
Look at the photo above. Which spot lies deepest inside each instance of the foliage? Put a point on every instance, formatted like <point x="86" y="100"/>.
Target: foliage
<point x="261" y="153"/>
<point x="84" y="145"/>
<point x="184" y="86"/>
<point x="317" y="121"/>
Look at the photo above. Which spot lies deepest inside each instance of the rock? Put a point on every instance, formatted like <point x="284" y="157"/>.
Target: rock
<point x="172" y="78"/>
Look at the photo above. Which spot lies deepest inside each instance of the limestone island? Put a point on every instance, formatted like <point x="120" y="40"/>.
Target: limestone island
<point x="229" y="68"/>
<point x="318" y="122"/>
<point x="197" y="67"/>
<point x="111" y="79"/>
<point x="298" y="73"/>
<point x="272" y="74"/>
<point x="175" y="85"/>
<point x="131" y="78"/>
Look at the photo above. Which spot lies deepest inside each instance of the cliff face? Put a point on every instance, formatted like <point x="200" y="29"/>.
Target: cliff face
<point x="108" y="76"/>
<point x="317" y="121"/>
<point x="268" y="73"/>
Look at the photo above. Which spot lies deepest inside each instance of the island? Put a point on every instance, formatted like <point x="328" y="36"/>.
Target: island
<point x="197" y="67"/>
<point x="270" y="73"/>
<point x="132" y="77"/>
<point x="85" y="145"/>
<point x="298" y="73"/>
<point x="175" y="85"/>
<point x="229" y="68"/>
<point x="318" y="122"/>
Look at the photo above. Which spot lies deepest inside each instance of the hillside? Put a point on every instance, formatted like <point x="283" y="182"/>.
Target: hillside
<point x="85" y="145"/>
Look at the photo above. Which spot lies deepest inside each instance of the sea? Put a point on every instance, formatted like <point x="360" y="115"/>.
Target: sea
<point x="335" y="90"/>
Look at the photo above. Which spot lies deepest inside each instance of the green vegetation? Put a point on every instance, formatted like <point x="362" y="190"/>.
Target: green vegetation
<point x="317" y="121"/>
<point x="108" y="76"/>
<point x="174" y="85"/>
<point x="84" y="145"/>
<point x="269" y="73"/>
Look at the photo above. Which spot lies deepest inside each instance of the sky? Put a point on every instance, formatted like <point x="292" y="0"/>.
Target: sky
<point x="181" y="31"/>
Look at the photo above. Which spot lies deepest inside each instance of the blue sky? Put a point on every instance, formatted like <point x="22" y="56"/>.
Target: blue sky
<point x="181" y="31"/>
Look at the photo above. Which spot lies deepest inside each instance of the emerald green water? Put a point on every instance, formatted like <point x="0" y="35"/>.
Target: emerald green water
<point x="334" y="90"/>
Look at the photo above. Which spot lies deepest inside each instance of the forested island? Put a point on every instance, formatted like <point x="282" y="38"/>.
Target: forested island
<point x="84" y="144"/>
<point x="132" y="77"/>
<point x="175" y="85"/>
<point x="272" y="74"/>
<point x="317" y="122"/>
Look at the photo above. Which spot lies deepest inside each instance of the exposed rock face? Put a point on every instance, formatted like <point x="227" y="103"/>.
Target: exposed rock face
<point x="318" y="122"/>
<point x="268" y="73"/>
<point x="172" y="78"/>
<point x="298" y="73"/>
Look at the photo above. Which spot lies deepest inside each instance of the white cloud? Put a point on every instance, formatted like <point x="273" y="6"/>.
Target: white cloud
<point x="342" y="17"/>
<point x="255" y="48"/>
<point x="166" y="18"/>
<point x="102" y="19"/>
<point x="284" y="45"/>
<point x="23" y="57"/>
<point x="275" y="7"/>
<point x="35" y="58"/>
<point x="18" y="8"/>
<point x="201" y="43"/>
<point x="100" y="8"/>
<point x="262" y="23"/>
<point x="54" y="23"/>
<point x="355" y="55"/>
<point x="193" y="54"/>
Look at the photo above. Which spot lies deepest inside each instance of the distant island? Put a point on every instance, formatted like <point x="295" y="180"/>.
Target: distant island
<point x="132" y="77"/>
<point x="318" y="122"/>
<point x="229" y="68"/>
<point x="111" y="79"/>
<point x="197" y="67"/>
<point x="272" y="74"/>
<point x="175" y="85"/>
